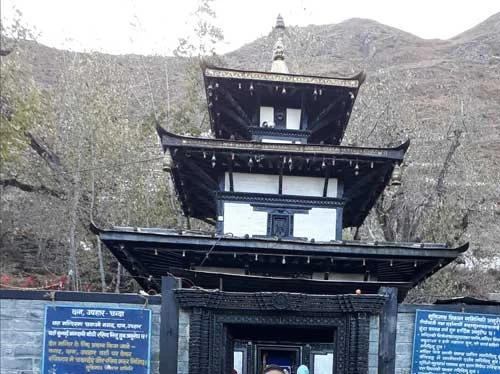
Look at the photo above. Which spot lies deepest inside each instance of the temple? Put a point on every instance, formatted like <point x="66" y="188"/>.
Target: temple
<point x="275" y="282"/>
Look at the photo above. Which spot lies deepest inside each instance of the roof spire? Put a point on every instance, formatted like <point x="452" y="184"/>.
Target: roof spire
<point x="279" y="50"/>
<point x="280" y="24"/>
<point x="279" y="65"/>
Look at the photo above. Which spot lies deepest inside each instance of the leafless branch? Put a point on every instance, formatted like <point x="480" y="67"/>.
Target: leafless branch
<point x="12" y="182"/>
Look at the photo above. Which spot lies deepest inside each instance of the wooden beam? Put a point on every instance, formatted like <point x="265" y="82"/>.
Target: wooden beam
<point x="203" y="200"/>
<point x="358" y="201"/>
<point x="199" y="184"/>
<point x="169" y="327"/>
<point x="198" y="180"/>
<point x="210" y="182"/>
<point x="303" y="112"/>
<point x="387" y="331"/>
<point x="231" y="178"/>
<point x="324" y="113"/>
<point x="239" y="110"/>
<point x="280" y="180"/>
<point x="206" y="202"/>
<point x="229" y="131"/>
<point x="327" y="176"/>
<point x="425" y="270"/>
<point x="135" y="267"/>
<point x="205" y="191"/>
<point x="318" y="126"/>
<point x="234" y="116"/>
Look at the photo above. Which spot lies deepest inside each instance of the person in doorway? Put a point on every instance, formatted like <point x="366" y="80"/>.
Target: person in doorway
<point x="302" y="369"/>
<point x="273" y="369"/>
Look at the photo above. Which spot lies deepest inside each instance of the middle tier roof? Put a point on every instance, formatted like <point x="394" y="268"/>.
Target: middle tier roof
<point x="198" y="166"/>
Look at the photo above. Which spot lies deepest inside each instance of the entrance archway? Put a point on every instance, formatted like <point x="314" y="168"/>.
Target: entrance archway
<point x="221" y="321"/>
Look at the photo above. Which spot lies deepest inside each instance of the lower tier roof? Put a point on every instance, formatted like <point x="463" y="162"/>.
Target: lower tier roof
<point x="149" y="254"/>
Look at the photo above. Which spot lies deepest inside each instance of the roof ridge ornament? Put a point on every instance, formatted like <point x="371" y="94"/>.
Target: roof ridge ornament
<point x="280" y="24"/>
<point x="279" y="50"/>
<point x="279" y="65"/>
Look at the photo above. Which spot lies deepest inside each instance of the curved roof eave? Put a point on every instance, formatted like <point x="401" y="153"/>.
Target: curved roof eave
<point x="210" y="71"/>
<point x="170" y="140"/>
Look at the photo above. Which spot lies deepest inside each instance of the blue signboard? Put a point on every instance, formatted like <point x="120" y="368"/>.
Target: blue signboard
<point x="96" y="339"/>
<point x="458" y="343"/>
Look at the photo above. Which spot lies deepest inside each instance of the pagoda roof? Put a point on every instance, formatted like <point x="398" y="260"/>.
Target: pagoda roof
<point x="234" y="95"/>
<point x="148" y="254"/>
<point x="199" y="163"/>
<point x="273" y="77"/>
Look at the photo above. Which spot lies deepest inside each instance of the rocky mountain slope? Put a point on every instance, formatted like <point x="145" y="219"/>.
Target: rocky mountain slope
<point x="442" y="94"/>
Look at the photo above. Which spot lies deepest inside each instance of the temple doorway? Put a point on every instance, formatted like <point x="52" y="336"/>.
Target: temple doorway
<point x="255" y="347"/>
<point x="286" y="356"/>
<point x="243" y="331"/>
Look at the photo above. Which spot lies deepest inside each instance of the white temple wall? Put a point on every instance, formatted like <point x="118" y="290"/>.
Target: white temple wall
<point x="308" y="186"/>
<point x="292" y="185"/>
<point x="256" y="183"/>
<point x="267" y="115"/>
<point x="283" y="141"/>
<point x="319" y="224"/>
<point x="241" y="219"/>
<point x="293" y="119"/>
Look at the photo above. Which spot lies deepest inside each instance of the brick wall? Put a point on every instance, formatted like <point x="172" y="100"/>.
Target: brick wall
<point x="406" y="325"/>
<point x="183" y="347"/>
<point x="373" y="345"/>
<point x="405" y="332"/>
<point x="404" y="342"/>
<point x="22" y="318"/>
<point x="21" y="328"/>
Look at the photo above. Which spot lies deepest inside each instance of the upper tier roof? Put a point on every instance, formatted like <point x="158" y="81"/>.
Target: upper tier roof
<point x="199" y="163"/>
<point x="235" y="96"/>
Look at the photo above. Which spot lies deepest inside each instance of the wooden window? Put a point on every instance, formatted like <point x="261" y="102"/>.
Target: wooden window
<point x="280" y="117"/>
<point x="280" y="225"/>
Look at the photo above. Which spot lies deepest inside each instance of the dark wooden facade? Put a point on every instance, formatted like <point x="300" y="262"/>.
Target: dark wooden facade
<point x="218" y="316"/>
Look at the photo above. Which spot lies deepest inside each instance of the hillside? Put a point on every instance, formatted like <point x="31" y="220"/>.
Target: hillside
<point x="432" y="88"/>
<point x="442" y="94"/>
